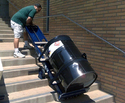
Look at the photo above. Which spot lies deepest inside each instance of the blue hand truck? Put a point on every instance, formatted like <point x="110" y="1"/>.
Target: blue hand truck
<point x="69" y="71"/>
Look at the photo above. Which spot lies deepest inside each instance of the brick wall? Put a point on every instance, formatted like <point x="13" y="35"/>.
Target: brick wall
<point x="106" y="18"/>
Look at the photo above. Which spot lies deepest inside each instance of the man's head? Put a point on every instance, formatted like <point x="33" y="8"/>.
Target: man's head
<point x="38" y="7"/>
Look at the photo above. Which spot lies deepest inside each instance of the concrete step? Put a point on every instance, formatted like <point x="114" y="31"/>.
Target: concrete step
<point x="48" y="95"/>
<point x="9" y="39"/>
<point x="5" y="53"/>
<point x="6" y="32"/>
<point x="96" y="96"/>
<point x="11" y="35"/>
<point x="11" y="61"/>
<point x="36" y="95"/>
<point x="9" y="46"/>
<point x="21" y="83"/>
<point x="21" y="70"/>
<point x="4" y="19"/>
<point x="4" y="24"/>
<point x="5" y="28"/>
<point x="28" y="81"/>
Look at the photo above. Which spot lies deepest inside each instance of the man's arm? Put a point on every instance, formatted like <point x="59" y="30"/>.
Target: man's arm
<point x="29" y="21"/>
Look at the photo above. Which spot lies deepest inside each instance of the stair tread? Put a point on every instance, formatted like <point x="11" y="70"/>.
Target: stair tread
<point x="4" y="24"/>
<point x="20" y="70"/>
<point x="93" y="96"/>
<point x="9" y="45"/>
<point x="21" y="79"/>
<point x="29" y="92"/>
<point x="97" y="94"/>
<point x="89" y="97"/>
<point x="19" y="67"/>
<point x="7" y="53"/>
<point x="11" y="57"/>
<point x="11" y="61"/>
<point x="6" y="34"/>
<point x="6" y="30"/>
<point x="6" y="38"/>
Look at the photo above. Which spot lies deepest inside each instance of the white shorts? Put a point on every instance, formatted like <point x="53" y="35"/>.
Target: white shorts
<point x="17" y="28"/>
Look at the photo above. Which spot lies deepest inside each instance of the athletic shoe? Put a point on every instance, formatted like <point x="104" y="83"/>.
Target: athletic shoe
<point x="19" y="54"/>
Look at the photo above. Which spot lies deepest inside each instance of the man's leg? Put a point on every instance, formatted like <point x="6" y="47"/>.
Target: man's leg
<point x="26" y="45"/>
<point x="17" y="53"/>
<point x="18" y="31"/>
<point x="25" y="36"/>
<point x="16" y="44"/>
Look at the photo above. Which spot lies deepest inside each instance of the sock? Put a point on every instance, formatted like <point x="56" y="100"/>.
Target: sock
<point x="26" y="43"/>
<point x="16" y="50"/>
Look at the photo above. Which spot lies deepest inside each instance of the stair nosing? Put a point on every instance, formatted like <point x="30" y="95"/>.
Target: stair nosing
<point x="22" y="82"/>
<point x="32" y="96"/>
<point x="102" y="97"/>
<point x="26" y="68"/>
<point x="12" y="58"/>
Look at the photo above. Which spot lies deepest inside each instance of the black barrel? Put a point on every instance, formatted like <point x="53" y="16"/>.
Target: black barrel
<point x="72" y="69"/>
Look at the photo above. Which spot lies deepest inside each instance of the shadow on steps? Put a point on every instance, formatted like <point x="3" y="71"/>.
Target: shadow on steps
<point x="78" y="99"/>
<point x="3" y="92"/>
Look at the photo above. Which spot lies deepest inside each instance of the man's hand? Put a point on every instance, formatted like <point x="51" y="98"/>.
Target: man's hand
<point x="29" y="21"/>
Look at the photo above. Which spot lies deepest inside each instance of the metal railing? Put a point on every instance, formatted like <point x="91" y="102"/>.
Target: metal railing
<point x="78" y="25"/>
<point x="13" y="4"/>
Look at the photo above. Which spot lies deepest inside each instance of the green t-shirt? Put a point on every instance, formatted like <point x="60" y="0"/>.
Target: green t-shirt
<point x="21" y="16"/>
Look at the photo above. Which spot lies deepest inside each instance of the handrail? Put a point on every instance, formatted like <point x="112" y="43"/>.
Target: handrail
<point x="78" y="25"/>
<point x="13" y="4"/>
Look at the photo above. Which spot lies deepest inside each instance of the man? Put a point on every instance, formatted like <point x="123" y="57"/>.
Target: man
<point x="19" y="20"/>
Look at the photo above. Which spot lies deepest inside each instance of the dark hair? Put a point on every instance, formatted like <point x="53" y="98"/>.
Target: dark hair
<point x="38" y="5"/>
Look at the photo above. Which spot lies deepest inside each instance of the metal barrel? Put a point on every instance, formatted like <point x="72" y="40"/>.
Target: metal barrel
<point x="70" y="66"/>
